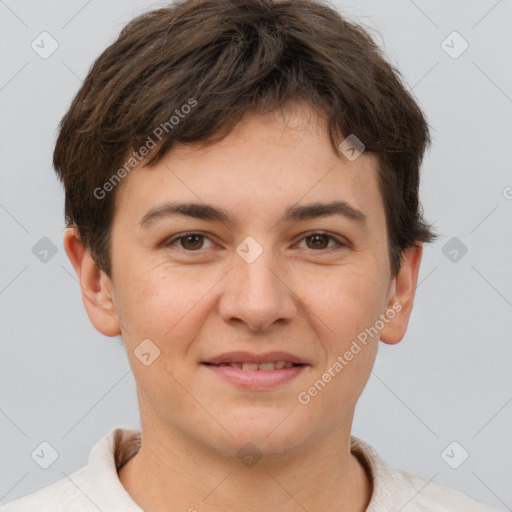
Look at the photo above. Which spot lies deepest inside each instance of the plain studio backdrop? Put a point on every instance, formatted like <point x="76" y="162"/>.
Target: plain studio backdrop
<point x="438" y="404"/>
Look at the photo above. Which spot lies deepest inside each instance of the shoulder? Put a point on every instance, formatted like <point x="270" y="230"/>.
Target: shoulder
<point x="432" y="496"/>
<point x="396" y="489"/>
<point x="94" y="487"/>
<point x="64" y="494"/>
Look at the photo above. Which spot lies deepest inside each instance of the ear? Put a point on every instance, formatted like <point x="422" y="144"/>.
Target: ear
<point x="96" y="286"/>
<point x="401" y="296"/>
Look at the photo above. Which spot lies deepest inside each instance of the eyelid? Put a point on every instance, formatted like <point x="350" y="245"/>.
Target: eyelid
<point x="169" y="241"/>
<point x="339" y="241"/>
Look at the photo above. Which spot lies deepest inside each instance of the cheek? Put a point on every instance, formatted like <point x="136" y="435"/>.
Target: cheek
<point x="347" y="300"/>
<point x="161" y="302"/>
<point x="349" y="303"/>
<point x="142" y="302"/>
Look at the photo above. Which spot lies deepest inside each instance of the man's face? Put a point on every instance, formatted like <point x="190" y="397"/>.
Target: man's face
<point x="304" y="286"/>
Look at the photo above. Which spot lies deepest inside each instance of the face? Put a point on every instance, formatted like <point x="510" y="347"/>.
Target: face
<point x="268" y="280"/>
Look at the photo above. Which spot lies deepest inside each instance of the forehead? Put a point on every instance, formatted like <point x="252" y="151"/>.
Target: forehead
<point x="266" y="164"/>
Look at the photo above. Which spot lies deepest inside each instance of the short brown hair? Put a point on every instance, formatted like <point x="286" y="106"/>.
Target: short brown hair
<point x="234" y="57"/>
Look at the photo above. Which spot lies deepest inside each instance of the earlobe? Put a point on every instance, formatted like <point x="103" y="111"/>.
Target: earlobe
<point x="95" y="285"/>
<point x="401" y="296"/>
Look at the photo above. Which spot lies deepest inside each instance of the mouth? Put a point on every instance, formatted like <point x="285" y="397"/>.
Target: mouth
<point x="256" y="371"/>
<point x="248" y="366"/>
<point x="251" y="361"/>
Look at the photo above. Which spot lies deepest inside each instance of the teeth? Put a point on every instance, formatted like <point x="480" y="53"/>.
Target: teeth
<point x="273" y="365"/>
<point x="249" y="366"/>
<point x="267" y="366"/>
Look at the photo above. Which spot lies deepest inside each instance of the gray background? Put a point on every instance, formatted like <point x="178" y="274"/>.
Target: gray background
<point x="448" y="380"/>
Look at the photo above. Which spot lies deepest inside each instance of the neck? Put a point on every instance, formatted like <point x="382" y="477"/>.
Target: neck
<point x="173" y="470"/>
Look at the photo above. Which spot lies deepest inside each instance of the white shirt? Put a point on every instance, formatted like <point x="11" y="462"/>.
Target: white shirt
<point x="96" y="486"/>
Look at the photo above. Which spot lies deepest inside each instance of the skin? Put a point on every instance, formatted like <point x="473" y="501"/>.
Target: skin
<point x="298" y="296"/>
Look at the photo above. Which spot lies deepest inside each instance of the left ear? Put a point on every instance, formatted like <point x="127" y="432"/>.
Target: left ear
<point x="401" y="297"/>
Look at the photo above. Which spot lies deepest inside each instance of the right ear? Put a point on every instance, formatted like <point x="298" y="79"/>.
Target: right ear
<point x="96" y="286"/>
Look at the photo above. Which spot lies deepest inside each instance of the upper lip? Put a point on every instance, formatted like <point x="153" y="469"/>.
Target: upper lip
<point x="250" y="357"/>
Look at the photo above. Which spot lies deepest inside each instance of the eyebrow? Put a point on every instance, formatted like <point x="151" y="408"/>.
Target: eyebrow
<point x="209" y="212"/>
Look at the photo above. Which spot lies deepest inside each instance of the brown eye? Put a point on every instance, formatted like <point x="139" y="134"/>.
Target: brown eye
<point x="318" y="241"/>
<point x="192" y="242"/>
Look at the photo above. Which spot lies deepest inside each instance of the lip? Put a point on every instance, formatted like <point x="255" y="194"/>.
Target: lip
<point x="256" y="379"/>
<point x="251" y="357"/>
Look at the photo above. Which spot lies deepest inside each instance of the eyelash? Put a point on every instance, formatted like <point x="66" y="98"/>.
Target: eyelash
<point x="339" y="243"/>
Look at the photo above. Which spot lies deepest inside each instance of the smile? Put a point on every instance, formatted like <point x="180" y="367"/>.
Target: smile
<point x="272" y="365"/>
<point x="257" y="376"/>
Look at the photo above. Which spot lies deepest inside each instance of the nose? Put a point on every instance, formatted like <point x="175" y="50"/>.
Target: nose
<point x="257" y="294"/>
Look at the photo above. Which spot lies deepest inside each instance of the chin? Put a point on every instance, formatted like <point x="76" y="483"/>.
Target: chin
<point x="269" y="435"/>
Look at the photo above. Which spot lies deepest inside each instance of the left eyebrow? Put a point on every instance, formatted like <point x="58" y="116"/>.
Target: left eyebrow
<point x="293" y="213"/>
<point x="314" y="210"/>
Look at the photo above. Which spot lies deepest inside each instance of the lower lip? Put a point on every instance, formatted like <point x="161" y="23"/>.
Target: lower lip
<point x="257" y="379"/>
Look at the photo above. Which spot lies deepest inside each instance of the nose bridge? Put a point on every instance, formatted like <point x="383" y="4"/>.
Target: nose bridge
<point x="256" y="293"/>
<point x="253" y="268"/>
